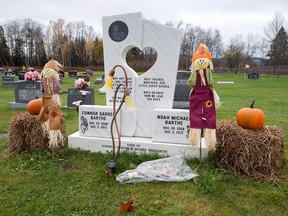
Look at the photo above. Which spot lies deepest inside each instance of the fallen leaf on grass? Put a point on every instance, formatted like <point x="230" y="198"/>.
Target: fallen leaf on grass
<point x="126" y="207"/>
<point x="108" y="173"/>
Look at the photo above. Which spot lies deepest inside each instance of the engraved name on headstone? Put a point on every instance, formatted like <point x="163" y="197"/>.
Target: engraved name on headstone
<point x="95" y="121"/>
<point x="26" y="91"/>
<point x="171" y="126"/>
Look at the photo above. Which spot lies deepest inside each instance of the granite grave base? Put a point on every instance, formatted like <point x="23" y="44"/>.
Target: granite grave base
<point x="139" y="145"/>
<point x="14" y="105"/>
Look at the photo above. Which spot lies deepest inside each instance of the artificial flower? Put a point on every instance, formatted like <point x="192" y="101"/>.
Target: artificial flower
<point x="34" y="76"/>
<point x="80" y="83"/>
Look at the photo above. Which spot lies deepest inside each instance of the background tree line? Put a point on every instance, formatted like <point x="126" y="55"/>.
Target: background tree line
<point x="28" y="43"/>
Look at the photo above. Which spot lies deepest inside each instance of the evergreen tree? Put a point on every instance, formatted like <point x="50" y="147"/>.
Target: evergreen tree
<point x="4" y="53"/>
<point x="18" y="55"/>
<point x="94" y="51"/>
<point x="43" y="56"/>
<point x="278" y="52"/>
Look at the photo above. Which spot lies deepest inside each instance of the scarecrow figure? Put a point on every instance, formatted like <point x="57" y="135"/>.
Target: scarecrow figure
<point x="50" y="115"/>
<point x="203" y="99"/>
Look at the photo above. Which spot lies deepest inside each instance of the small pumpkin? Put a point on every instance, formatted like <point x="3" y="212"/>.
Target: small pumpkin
<point x="34" y="106"/>
<point x="250" y="118"/>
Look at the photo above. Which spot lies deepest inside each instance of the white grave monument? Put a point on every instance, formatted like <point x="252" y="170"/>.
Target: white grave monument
<point x="153" y="92"/>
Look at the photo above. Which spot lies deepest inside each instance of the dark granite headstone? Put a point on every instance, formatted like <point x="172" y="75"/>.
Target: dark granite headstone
<point x="72" y="73"/>
<point x="8" y="81"/>
<point x="182" y="91"/>
<point x="26" y="91"/>
<point x="74" y="94"/>
<point x="253" y="76"/>
<point x="21" y="75"/>
<point x="16" y="72"/>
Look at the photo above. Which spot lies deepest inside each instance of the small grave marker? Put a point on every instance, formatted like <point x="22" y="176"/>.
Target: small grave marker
<point x="72" y="74"/>
<point x="74" y="94"/>
<point x="21" y="75"/>
<point x="253" y="76"/>
<point x="8" y="81"/>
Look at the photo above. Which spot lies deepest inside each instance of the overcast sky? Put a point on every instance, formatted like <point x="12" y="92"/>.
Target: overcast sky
<point x="231" y="17"/>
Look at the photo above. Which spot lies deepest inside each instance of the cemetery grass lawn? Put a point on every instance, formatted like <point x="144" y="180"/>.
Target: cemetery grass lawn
<point x="75" y="183"/>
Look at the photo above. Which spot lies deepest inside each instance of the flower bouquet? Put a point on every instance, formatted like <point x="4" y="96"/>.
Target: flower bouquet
<point x="34" y="76"/>
<point x="80" y="83"/>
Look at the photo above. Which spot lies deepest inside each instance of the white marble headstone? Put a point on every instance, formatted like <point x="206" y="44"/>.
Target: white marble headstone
<point x="155" y="88"/>
<point x="95" y="121"/>
<point x="171" y="126"/>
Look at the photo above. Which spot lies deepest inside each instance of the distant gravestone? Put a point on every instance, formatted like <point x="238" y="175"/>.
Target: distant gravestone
<point x="253" y="76"/>
<point x="26" y="91"/>
<point x="21" y="75"/>
<point x="8" y="81"/>
<point x="16" y="72"/>
<point x="1" y="71"/>
<point x="74" y="94"/>
<point x="9" y="74"/>
<point x="72" y="74"/>
<point x="182" y="91"/>
<point x="98" y="81"/>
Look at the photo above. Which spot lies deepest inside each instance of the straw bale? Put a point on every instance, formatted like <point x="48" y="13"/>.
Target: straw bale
<point x="253" y="154"/>
<point x="25" y="134"/>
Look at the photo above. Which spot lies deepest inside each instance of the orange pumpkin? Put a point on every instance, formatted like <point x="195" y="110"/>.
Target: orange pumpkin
<point x="250" y="118"/>
<point x="34" y="106"/>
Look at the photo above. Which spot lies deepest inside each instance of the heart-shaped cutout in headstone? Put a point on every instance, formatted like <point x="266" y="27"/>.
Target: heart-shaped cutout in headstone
<point x="141" y="60"/>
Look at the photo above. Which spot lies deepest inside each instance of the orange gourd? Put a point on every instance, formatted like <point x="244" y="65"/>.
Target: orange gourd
<point x="34" y="106"/>
<point x="250" y="118"/>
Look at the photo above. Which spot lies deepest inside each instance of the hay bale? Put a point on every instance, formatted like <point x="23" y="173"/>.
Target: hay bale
<point x="25" y="134"/>
<point x="253" y="154"/>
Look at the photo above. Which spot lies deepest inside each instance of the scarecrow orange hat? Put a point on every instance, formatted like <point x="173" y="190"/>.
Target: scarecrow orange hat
<point x="202" y="52"/>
